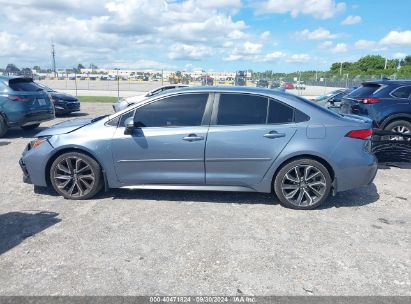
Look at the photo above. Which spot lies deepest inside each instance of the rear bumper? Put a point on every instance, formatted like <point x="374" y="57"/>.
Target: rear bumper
<point x="29" y="118"/>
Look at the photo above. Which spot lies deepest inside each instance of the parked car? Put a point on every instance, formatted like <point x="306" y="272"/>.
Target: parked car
<point x="205" y="138"/>
<point x="299" y="85"/>
<point x="288" y="86"/>
<point x="128" y="101"/>
<point x="63" y="103"/>
<point x="275" y="84"/>
<point x="332" y="100"/>
<point x="23" y="104"/>
<point x="262" y="83"/>
<point x="386" y="102"/>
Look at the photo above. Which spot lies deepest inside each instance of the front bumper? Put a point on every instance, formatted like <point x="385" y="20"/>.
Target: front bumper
<point x="33" y="163"/>
<point x="26" y="175"/>
<point x="67" y="107"/>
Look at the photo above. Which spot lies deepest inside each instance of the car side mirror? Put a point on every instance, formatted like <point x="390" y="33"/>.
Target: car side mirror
<point x="129" y="124"/>
<point x="331" y="101"/>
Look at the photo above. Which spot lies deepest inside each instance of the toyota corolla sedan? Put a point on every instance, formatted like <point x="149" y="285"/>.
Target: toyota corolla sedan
<point x="208" y="138"/>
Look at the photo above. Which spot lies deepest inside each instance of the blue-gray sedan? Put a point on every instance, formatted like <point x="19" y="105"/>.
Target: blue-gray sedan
<point x="208" y="138"/>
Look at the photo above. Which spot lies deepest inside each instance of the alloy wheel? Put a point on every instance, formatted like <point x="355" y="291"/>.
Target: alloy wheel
<point x="74" y="176"/>
<point x="400" y="129"/>
<point x="303" y="185"/>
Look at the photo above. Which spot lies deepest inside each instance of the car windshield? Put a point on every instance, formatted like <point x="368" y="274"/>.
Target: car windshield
<point x="365" y="90"/>
<point x="326" y="96"/>
<point x="44" y="87"/>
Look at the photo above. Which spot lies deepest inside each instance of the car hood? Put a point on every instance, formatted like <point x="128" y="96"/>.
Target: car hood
<point x="63" y="96"/>
<point x="66" y="127"/>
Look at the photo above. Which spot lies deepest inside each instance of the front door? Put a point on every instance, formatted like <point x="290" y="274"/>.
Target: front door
<point x="168" y="148"/>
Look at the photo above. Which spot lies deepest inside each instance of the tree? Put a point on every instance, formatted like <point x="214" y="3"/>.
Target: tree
<point x="26" y="72"/>
<point x="11" y="69"/>
<point x="80" y="66"/>
<point x="37" y="68"/>
<point x="370" y="62"/>
<point x="93" y="66"/>
<point x="406" y="61"/>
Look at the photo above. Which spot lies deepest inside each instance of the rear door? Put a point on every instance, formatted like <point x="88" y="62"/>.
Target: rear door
<point x="246" y="135"/>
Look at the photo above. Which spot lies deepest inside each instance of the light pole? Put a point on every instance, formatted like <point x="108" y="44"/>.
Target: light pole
<point x="118" y="84"/>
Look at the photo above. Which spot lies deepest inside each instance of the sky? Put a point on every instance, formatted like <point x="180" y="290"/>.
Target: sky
<point x="213" y="35"/>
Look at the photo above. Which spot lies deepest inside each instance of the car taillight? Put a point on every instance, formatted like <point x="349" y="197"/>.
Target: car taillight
<point x="369" y="100"/>
<point x="19" y="98"/>
<point x="360" y="134"/>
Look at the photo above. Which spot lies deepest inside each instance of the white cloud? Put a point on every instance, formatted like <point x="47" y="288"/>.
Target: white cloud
<point x="321" y="9"/>
<point x="397" y="38"/>
<point x="298" y="58"/>
<point x="318" y="34"/>
<point x="274" y="56"/>
<point x="189" y="52"/>
<point x="265" y="35"/>
<point x="325" y="44"/>
<point x="11" y="45"/>
<point x="399" y="55"/>
<point x="365" y="44"/>
<point x="339" y="48"/>
<point x="351" y="20"/>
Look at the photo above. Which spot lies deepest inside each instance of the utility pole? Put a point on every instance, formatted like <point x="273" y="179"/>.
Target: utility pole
<point x="385" y="65"/>
<point x="340" y="68"/>
<point x="53" y="58"/>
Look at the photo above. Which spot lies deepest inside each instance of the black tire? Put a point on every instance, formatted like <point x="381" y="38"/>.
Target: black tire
<point x="65" y="168"/>
<point x="397" y="126"/>
<point x="30" y="127"/>
<point x="294" y="178"/>
<point x="3" y="126"/>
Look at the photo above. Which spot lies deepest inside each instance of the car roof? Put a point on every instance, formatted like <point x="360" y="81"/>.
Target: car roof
<point x="228" y="89"/>
<point x="389" y="82"/>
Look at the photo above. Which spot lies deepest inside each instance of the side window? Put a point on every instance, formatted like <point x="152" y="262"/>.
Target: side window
<point x="404" y="92"/>
<point x="280" y="113"/>
<point x="241" y="109"/>
<point x="175" y="111"/>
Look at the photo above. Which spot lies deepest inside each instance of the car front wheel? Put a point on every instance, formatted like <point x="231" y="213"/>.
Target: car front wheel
<point x="76" y="176"/>
<point x="303" y="184"/>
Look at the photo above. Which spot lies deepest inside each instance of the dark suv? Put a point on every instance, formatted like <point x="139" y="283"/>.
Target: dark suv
<point x="386" y="102"/>
<point x="23" y="104"/>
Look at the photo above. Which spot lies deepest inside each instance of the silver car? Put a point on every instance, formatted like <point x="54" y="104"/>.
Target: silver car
<point x="208" y="138"/>
<point x="128" y="101"/>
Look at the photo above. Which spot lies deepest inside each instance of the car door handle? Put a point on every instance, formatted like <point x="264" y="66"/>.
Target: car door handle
<point x="274" y="134"/>
<point x="193" y="137"/>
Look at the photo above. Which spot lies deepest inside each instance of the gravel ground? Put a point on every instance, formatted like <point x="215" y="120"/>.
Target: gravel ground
<point x="189" y="243"/>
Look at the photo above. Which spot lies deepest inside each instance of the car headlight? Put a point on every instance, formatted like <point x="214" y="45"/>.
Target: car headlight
<point x="38" y="142"/>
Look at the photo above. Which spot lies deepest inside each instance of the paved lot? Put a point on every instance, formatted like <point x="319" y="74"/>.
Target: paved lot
<point x="179" y="243"/>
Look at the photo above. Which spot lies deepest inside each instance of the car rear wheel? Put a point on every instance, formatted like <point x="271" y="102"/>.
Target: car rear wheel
<point x="3" y="126"/>
<point x="76" y="176"/>
<point x="30" y="127"/>
<point x="303" y="184"/>
<point x="399" y="126"/>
